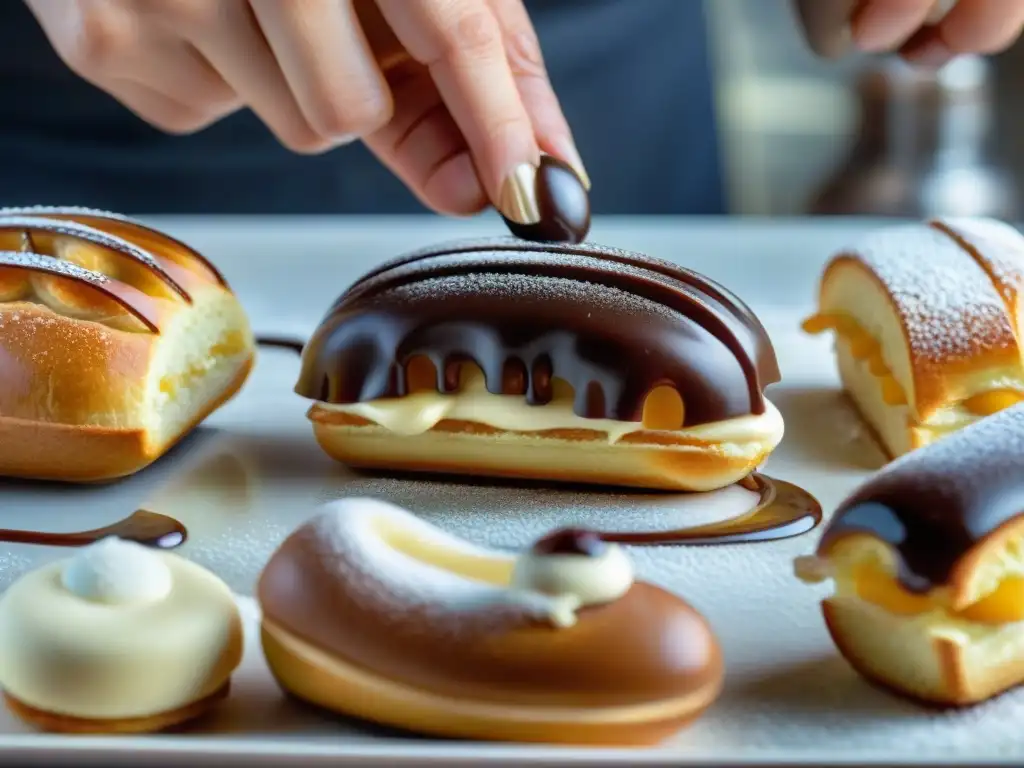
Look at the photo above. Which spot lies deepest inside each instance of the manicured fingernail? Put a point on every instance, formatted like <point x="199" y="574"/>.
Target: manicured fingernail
<point x="568" y="153"/>
<point x="940" y="10"/>
<point x="518" y="198"/>
<point x="931" y="54"/>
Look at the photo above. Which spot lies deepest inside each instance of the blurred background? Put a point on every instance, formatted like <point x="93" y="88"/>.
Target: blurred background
<point x="679" y="107"/>
<point x="864" y="134"/>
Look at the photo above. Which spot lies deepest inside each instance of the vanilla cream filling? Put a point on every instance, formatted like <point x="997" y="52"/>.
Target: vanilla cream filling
<point x="591" y="580"/>
<point x="91" y="652"/>
<point x="419" y="412"/>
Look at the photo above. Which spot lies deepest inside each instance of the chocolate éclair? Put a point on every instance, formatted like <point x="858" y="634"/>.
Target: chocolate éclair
<point x="115" y="340"/>
<point x="547" y="361"/>
<point x="926" y="558"/>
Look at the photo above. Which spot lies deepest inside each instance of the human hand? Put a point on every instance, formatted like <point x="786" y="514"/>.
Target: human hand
<point x="451" y="95"/>
<point x="931" y="32"/>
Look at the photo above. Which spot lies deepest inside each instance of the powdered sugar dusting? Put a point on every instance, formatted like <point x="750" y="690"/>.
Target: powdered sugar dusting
<point x="346" y="540"/>
<point x="998" y="247"/>
<point x="57" y="267"/>
<point x="948" y="305"/>
<point x="88" y="234"/>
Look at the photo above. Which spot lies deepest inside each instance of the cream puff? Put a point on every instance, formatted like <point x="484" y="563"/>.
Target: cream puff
<point x="927" y="324"/>
<point x="117" y="639"/>
<point x="371" y="612"/>
<point x="927" y="564"/>
<point x="115" y="340"/>
<point x="544" y="361"/>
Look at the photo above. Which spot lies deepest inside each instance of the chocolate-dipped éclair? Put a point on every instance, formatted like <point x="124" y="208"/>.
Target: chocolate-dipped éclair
<point x="547" y="361"/>
<point x="927" y="567"/>
<point x="369" y="611"/>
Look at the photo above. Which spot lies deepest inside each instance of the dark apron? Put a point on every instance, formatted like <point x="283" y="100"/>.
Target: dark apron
<point x="633" y="77"/>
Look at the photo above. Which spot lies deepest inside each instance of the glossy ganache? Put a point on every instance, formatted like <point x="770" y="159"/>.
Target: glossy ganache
<point x="563" y="206"/>
<point x="612" y="324"/>
<point x="935" y="505"/>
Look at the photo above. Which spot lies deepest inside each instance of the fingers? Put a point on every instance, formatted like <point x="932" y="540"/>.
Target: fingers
<point x="522" y="48"/>
<point x="157" y="109"/>
<point x="884" y="25"/>
<point x="323" y="53"/>
<point x="460" y="41"/>
<point x="423" y="146"/>
<point x="971" y="26"/>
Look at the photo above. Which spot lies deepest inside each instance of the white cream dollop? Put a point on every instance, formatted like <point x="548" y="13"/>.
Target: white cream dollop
<point x="592" y="579"/>
<point x="117" y="572"/>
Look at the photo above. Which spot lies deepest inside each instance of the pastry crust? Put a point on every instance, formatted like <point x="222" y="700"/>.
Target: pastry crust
<point x="644" y="459"/>
<point x="109" y="352"/>
<point x="53" y="723"/>
<point x="926" y="318"/>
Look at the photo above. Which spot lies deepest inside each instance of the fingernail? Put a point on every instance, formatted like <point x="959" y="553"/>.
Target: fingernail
<point x="518" y="198"/>
<point x="874" y="32"/>
<point x="931" y="54"/>
<point x="568" y="153"/>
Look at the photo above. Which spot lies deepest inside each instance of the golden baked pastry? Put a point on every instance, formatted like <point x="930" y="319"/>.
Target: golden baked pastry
<point x="371" y="612"/>
<point x="115" y="340"/>
<point x="928" y="571"/>
<point x="927" y="323"/>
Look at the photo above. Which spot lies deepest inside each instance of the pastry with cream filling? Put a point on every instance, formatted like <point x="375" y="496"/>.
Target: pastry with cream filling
<point x="927" y="324"/>
<point x="117" y="639"/>
<point x="927" y="562"/>
<point x="371" y="612"/>
<point x="115" y="340"/>
<point x="545" y="361"/>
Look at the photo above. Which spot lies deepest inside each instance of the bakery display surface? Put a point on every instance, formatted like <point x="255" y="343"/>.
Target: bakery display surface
<point x="927" y="324"/>
<point x="116" y="340"/>
<point x="253" y="473"/>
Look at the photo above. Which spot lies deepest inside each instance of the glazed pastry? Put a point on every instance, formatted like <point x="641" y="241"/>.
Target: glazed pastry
<point x="117" y="639"/>
<point x="115" y="341"/>
<point x="927" y="326"/>
<point x="926" y="562"/>
<point x="545" y="361"/>
<point x="371" y="612"/>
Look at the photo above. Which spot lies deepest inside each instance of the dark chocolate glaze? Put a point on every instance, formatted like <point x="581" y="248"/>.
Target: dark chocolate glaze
<point x="563" y="205"/>
<point x="935" y="505"/>
<point x="570" y="541"/>
<point x="151" y="529"/>
<point x="290" y="343"/>
<point x="783" y="511"/>
<point x="611" y="323"/>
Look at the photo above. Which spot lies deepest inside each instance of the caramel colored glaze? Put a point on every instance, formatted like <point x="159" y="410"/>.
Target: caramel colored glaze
<point x="562" y="202"/>
<point x="151" y="529"/>
<point x="646" y="646"/>
<point x="158" y="243"/>
<point x="932" y="514"/>
<point x="783" y="511"/>
<point x="612" y="325"/>
<point x="281" y="342"/>
<point x="145" y="308"/>
<point x="39" y="234"/>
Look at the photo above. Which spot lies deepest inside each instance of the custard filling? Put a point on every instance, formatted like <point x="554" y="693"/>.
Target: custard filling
<point x="424" y="407"/>
<point x="1004" y="605"/>
<point x="231" y="344"/>
<point x="866" y="348"/>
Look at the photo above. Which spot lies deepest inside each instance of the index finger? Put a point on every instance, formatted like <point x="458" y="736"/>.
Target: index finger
<point x="884" y="25"/>
<point x="460" y="41"/>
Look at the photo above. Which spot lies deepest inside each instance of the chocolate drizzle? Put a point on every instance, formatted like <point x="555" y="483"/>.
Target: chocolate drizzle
<point x="570" y="541"/>
<point x="150" y="529"/>
<point x="612" y="324"/>
<point x="937" y="504"/>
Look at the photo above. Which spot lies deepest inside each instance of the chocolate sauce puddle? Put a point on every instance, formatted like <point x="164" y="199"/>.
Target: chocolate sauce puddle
<point x="151" y="529"/>
<point x="282" y="342"/>
<point x="783" y="511"/>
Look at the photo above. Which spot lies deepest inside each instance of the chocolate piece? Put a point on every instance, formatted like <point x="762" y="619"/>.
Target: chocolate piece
<point x="570" y="541"/>
<point x="936" y="504"/>
<point x="562" y="202"/>
<point x="612" y="324"/>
